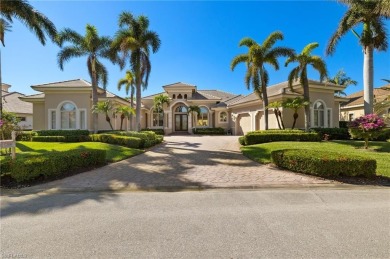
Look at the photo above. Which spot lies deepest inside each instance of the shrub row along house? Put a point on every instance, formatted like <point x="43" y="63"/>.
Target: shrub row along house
<point x="67" y="105"/>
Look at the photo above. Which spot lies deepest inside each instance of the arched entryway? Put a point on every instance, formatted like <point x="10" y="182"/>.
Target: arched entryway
<point x="180" y="118"/>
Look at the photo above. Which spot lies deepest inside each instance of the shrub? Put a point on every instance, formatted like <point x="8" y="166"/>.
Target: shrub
<point x="366" y="127"/>
<point x="209" y="131"/>
<point x="48" y="139"/>
<point x="148" y="138"/>
<point x="131" y="142"/>
<point x="252" y="138"/>
<point x="25" y="135"/>
<point x="383" y="135"/>
<point x="157" y="131"/>
<point x="343" y="124"/>
<point x="323" y="163"/>
<point x="270" y="131"/>
<point x="52" y="165"/>
<point x="332" y="133"/>
<point x="62" y="132"/>
<point x="241" y="140"/>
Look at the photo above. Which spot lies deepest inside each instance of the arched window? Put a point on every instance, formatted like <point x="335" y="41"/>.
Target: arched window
<point x="174" y="96"/>
<point x="179" y="96"/>
<point x="158" y="118"/>
<point x="181" y="109"/>
<point x="68" y="116"/>
<point x="223" y="117"/>
<point x="319" y="114"/>
<point x="203" y="117"/>
<point x="185" y="96"/>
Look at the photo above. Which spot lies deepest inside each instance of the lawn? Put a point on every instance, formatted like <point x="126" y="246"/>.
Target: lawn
<point x="380" y="151"/>
<point x="114" y="153"/>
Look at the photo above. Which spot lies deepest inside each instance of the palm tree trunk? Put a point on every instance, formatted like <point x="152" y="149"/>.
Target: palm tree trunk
<point x="368" y="78"/>
<point x="122" y="118"/>
<point x="306" y="96"/>
<point x="138" y="104"/>
<point x="295" y="119"/>
<point x="277" y="117"/>
<point x="1" y="91"/>
<point x="94" y="96"/>
<point x="281" y="119"/>
<point x="265" y="99"/>
<point x="132" y="106"/>
<point x="109" y="121"/>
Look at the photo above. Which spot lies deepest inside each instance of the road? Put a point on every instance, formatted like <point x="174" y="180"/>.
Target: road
<point x="268" y="223"/>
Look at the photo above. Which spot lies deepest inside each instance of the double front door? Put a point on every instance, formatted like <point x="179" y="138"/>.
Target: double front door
<point x="181" y="122"/>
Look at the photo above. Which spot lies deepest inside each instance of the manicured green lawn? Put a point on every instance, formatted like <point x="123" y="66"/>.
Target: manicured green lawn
<point x="380" y="151"/>
<point x="114" y="153"/>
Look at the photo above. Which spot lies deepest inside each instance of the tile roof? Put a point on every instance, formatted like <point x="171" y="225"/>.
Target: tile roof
<point x="12" y="103"/>
<point x="179" y="84"/>
<point x="357" y="98"/>
<point x="67" y="83"/>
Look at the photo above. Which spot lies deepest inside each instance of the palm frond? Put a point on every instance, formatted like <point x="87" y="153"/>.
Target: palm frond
<point x="271" y="39"/>
<point x="248" y="42"/>
<point x="238" y="59"/>
<point x="309" y="48"/>
<point x="125" y="19"/>
<point x="67" y="53"/>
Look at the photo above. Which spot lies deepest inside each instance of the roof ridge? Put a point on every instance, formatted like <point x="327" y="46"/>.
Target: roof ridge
<point x="64" y="81"/>
<point x="178" y="83"/>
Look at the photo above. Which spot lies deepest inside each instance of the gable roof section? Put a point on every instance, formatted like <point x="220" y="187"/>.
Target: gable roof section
<point x="178" y="84"/>
<point x="67" y="83"/>
<point x="357" y="99"/>
<point x="12" y="103"/>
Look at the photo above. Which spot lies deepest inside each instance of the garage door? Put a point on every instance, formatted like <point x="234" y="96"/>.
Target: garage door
<point x="244" y="124"/>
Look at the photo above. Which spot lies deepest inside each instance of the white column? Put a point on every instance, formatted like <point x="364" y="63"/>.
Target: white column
<point x="253" y="120"/>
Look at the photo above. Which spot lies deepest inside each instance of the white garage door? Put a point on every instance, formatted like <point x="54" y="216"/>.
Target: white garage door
<point x="244" y="124"/>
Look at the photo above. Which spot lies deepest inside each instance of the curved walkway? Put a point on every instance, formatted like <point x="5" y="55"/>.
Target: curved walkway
<point x="185" y="162"/>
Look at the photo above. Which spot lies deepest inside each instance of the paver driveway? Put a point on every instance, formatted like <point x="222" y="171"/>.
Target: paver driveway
<point x="183" y="162"/>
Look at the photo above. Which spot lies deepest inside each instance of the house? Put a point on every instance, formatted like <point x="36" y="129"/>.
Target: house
<point x="354" y="108"/>
<point x="12" y="103"/>
<point x="68" y="104"/>
<point x="238" y="113"/>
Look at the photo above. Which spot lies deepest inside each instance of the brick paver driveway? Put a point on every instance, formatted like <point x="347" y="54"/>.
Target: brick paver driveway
<point x="184" y="162"/>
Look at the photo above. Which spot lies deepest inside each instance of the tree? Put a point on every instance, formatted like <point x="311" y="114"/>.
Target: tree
<point x="341" y="78"/>
<point x="37" y="22"/>
<point x="134" y="40"/>
<point x="371" y="14"/>
<point x="295" y="104"/>
<point x="125" y="112"/>
<point x="386" y="80"/>
<point x="129" y="83"/>
<point x="8" y="123"/>
<point x="193" y="109"/>
<point x="93" y="47"/>
<point x="275" y="106"/>
<point x="257" y="57"/>
<point x="104" y="107"/>
<point x="158" y="103"/>
<point x="304" y="59"/>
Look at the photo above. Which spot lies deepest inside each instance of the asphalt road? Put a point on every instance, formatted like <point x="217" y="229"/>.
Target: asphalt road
<point x="271" y="223"/>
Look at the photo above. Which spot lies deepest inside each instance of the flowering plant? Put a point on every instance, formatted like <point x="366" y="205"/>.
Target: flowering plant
<point x="366" y="127"/>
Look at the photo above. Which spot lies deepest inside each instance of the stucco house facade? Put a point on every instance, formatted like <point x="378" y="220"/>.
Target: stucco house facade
<point x="68" y="104"/>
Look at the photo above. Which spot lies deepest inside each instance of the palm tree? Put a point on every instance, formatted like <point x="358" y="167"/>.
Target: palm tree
<point x="341" y="78"/>
<point x="258" y="55"/>
<point x="38" y="23"/>
<point x="386" y="80"/>
<point x="104" y="108"/>
<point x="158" y="103"/>
<point x="93" y="47"/>
<point x="129" y="83"/>
<point x="275" y="106"/>
<point x="304" y="59"/>
<point x="193" y="109"/>
<point x="125" y="112"/>
<point x="134" y="40"/>
<point x="295" y="104"/>
<point x="371" y="14"/>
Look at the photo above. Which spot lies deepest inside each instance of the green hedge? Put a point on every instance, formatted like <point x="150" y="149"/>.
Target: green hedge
<point x="62" y="132"/>
<point x="209" y="131"/>
<point x="252" y="138"/>
<point x="343" y="124"/>
<point x="157" y="131"/>
<point x="148" y="138"/>
<point x="51" y="165"/>
<point x="25" y="135"/>
<point x="384" y="135"/>
<point x="332" y="133"/>
<point x="241" y="140"/>
<point x="48" y="138"/>
<point x="131" y="142"/>
<point x="323" y="163"/>
<point x="276" y="131"/>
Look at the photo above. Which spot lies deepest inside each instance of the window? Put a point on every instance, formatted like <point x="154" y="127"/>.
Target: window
<point x="174" y="96"/>
<point x="179" y="96"/>
<point x="21" y="118"/>
<point x="319" y="114"/>
<point x="53" y="120"/>
<point x="82" y="120"/>
<point x="185" y="96"/>
<point x="223" y="117"/>
<point x="158" y="119"/>
<point x="350" y="117"/>
<point x="329" y="117"/>
<point x="203" y="117"/>
<point x="68" y="116"/>
<point x="181" y="109"/>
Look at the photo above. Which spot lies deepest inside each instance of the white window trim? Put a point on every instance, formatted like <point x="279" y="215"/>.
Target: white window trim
<point x="219" y="117"/>
<point x="58" y="116"/>
<point x="325" y="114"/>
<point x="151" y="120"/>
<point x="49" y="123"/>
<point x="208" y="117"/>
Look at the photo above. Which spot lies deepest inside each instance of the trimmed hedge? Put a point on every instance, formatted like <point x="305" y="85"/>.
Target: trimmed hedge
<point x="130" y="142"/>
<point x="332" y="133"/>
<point x="241" y="140"/>
<point x="384" y="135"/>
<point x="52" y="165"/>
<point x="256" y="137"/>
<point x="25" y="135"/>
<point x="209" y="131"/>
<point x="148" y="138"/>
<point x="157" y="131"/>
<point x="276" y="131"/>
<point x="48" y="138"/>
<point x="343" y="124"/>
<point x="62" y="132"/>
<point x="323" y="163"/>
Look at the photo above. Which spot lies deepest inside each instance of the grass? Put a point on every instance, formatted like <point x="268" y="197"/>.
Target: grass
<point x="114" y="153"/>
<point x="380" y="151"/>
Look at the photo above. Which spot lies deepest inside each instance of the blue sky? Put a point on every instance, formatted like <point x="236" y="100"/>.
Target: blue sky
<point x="198" y="41"/>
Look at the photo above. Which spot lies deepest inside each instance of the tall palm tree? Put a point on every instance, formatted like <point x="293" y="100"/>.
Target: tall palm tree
<point x="371" y="14"/>
<point x="37" y="22"/>
<point x="129" y="83"/>
<point x="278" y="114"/>
<point x="134" y="40"/>
<point x="125" y="112"/>
<point x="257" y="57"/>
<point x="104" y="107"/>
<point x="295" y="104"/>
<point x="93" y="47"/>
<point x="341" y="78"/>
<point x="159" y="101"/>
<point x="193" y="109"/>
<point x="304" y="59"/>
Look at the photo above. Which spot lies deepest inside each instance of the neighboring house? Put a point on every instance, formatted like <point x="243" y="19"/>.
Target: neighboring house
<point x="23" y="110"/>
<point x="354" y="108"/>
<point x="68" y="104"/>
<point x="238" y="113"/>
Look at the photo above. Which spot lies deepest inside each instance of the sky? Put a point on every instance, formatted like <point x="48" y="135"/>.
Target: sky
<point x="199" y="39"/>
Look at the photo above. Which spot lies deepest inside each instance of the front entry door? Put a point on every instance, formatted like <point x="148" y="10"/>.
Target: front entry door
<point x="181" y="122"/>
